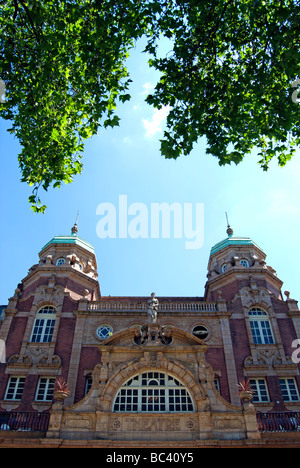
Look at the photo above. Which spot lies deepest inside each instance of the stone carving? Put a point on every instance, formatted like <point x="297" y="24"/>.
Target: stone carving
<point x="152" y="335"/>
<point x="268" y="358"/>
<point x="152" y="307"/>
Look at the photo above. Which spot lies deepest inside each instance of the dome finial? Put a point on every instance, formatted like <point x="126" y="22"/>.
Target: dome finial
<point x="74" y="229"/>
<point x="229" y="230"/>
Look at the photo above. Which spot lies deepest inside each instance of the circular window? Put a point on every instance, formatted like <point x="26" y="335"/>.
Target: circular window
<point x="60" y="261"/>
<point x="200" y="331"/>
<point x="224" y="267"/>
<point x="244" y="263"/>
<point x="104" y="331"/>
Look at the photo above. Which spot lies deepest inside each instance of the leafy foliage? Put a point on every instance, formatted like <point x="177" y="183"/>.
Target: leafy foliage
<point x="63" y="66"/>
<point x="229" y="77"/>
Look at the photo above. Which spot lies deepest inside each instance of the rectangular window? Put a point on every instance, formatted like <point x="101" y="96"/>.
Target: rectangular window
<point x="260" y="388"/>
<point x="42" y="331"/>
<point x="45" y="389"/>
<point x="289" y="389"/>
<point x="217" y="384"/>
<point x="15" y="388"/>
<point x="88" y="384"/>
<point x="261" y="332"/>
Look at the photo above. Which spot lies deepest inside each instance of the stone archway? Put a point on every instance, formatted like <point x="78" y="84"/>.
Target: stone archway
<point x="151" y="361"/>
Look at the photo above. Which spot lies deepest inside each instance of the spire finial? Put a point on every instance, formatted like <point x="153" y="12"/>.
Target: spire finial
<point x="229" y="230"/>
<point x="74" y="229"/>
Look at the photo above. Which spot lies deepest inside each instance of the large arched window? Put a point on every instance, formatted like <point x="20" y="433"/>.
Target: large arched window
<point x="260" y="326"/>
<point x="153" y="392"/>
<point x="43" y="325"/>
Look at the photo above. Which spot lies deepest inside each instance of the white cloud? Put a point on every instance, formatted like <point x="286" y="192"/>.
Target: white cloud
<point x="147" y="88"/>
<point x="154" y="125"/>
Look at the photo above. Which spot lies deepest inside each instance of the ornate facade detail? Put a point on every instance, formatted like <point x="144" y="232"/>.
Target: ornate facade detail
<point x="153" y="335"/>
<point x="171" y="380"/>
<point x="269" y="359"/>
<point x="254" y="295"/>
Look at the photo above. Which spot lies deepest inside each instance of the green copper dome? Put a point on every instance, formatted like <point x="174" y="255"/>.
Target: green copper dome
<point x="232" y="240"/>
<point x="71" y="239"/>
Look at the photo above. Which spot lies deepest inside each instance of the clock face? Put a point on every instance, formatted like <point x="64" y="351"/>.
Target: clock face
<point x="104" y="331"/>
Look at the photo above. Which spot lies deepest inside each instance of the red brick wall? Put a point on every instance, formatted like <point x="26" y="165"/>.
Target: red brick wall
<point x="215" y="357"/>
<point x="90" y="356"/>
<point x="64" y="342"/>
<point x="15" y="336"/>
<point x="240" y="344"/>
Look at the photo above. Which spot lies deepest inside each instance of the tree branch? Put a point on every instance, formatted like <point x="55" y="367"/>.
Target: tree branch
<point x="29" y="17"/>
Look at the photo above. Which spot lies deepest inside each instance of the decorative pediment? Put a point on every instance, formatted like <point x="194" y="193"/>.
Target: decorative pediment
<point x="152" y="335"/>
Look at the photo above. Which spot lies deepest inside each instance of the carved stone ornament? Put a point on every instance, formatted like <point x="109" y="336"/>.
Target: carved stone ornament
<point x="153" y="335"/>
<point x="152" y="307"/>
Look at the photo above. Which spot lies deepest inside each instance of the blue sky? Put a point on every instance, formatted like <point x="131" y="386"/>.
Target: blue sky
<point x="126" y="161"/>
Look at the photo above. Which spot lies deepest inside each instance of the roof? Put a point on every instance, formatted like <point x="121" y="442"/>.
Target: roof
<point x="70" y="239"/>
<point x="232" y="240"/>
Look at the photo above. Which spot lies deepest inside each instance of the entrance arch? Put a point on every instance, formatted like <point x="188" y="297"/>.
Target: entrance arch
<point x="188" y="385"/>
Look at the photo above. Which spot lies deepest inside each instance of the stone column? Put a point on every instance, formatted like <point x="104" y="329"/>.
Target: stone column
<point x="230" y="361"/>
<point x="75" y="356"/>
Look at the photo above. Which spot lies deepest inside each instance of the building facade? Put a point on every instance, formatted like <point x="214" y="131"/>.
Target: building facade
<point x="147" y="371"/>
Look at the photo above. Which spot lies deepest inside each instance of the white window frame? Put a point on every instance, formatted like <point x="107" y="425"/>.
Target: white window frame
<point x="43" y="326"/>
<point x="289" y="389"/>
<point x="60" y="261"/>
<point x="15" y="387"/>
<point x="260" y="387"/>
<point x="45" y="388"/>
<point x="104" y="331"/>
<point x="261" y="328"/>
<point x="153" y="392"/>
<point x="244" y="263"/>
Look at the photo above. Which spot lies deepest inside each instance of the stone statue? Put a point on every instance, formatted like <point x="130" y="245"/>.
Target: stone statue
<point x="152" y="309"/>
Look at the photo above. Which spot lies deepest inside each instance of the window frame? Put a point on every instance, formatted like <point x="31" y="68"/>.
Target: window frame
<point x="46" y="393"/>
<point x="288" y="390"/>
<point x="88" y="383"/>
<point x="43" y="326"/>
<point x="261" y="392"/>
<point x="60" y="261"/>
<point x="153" y="392"/>
<point x="15" y="386"/>
<point x="260" y="326"/>
<point x="109" y="329"/>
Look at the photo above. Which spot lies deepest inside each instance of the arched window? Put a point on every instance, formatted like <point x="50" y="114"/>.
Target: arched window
<point x="43" y="325"/>
<point x="260" y="326"/>
<point x="60" y="261"/>
<point x="153" y="392"/>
